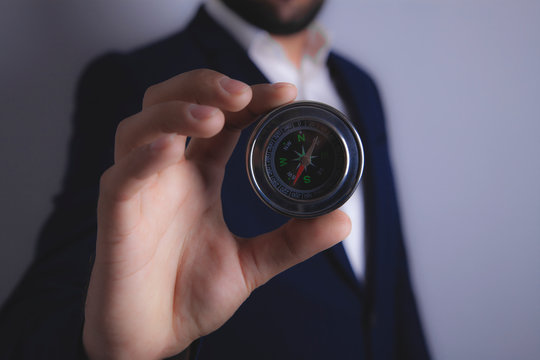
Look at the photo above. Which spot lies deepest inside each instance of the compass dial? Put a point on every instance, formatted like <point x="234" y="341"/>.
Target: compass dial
<point x="304" y="159"/>
<point x="301" y="158"/>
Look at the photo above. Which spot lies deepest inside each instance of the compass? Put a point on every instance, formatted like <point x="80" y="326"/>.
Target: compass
<point x="304" y="159"/>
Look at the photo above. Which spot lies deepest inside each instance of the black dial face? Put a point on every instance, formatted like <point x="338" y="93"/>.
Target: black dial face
<point x="304" y="159"/>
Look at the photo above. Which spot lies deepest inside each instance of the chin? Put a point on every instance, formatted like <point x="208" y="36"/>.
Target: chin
<point x="283" y="17"/>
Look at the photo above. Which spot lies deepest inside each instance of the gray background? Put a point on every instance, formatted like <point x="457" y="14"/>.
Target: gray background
<point x="461" y="84"/>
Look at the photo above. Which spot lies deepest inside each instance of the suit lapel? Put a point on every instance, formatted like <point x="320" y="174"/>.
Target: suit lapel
<point x="383" y="232"/>
<point x="349" y="88"/>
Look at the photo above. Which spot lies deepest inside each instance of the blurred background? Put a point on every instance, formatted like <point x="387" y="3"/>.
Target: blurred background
<point x="460" y="80"/>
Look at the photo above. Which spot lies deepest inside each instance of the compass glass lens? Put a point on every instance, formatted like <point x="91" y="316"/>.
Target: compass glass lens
<point x="304" y="158"/>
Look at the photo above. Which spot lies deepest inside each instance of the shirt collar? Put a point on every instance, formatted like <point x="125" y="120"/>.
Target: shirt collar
<point x="318" y="45"/>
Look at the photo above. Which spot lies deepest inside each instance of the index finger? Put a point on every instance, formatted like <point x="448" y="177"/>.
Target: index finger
<point x="202" y="86"/>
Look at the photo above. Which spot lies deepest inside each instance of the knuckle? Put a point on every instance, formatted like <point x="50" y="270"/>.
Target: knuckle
<point x="209" y="87"/>
<point x="123" y="133"/>
<point x="120" y="130"/>
<point x="105" y="181"/>
<point x="149" y="95"/>
<point x="178" y="111"/>
<point x="173" y="108"/>
<point x="203" y="74"/>
<point x="105" y="178"/>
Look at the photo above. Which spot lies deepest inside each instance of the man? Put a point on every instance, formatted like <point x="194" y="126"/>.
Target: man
<point x="183" y="244"/>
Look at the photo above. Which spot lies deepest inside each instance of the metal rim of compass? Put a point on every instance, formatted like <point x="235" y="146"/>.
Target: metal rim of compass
<point x="339" y="192"/>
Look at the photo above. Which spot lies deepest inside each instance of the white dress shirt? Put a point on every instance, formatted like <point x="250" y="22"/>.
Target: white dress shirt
<point x="312" y="79"/>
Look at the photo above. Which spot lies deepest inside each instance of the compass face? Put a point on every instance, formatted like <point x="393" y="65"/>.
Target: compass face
<point x="304" y="159"/>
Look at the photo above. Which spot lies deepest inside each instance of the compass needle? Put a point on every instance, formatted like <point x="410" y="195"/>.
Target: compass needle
<point x="300" y="170"/>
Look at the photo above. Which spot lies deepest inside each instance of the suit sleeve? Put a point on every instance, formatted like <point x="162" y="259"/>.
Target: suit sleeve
<point x="43" y="317"/>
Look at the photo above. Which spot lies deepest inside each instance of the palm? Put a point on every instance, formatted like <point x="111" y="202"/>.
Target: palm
<point x="206" y="280"/>
<point x="192" y="266"/>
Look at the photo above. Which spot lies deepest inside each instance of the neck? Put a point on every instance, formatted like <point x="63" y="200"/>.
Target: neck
<point x="293" y="45"/>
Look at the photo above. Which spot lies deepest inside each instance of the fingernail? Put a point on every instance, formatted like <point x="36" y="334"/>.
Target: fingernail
<point x="232" y="86"/>
<point x="201" y="112"/>
<point x="162" y="142"/>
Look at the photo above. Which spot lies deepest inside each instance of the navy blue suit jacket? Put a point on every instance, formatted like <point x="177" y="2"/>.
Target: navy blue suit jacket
<point x="315" y="310"/>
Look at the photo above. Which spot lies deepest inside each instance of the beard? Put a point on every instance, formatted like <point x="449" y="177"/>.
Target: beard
<point x="264" y="15"/>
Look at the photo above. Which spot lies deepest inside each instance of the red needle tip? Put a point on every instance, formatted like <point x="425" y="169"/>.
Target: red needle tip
<point x="298" y="173"/>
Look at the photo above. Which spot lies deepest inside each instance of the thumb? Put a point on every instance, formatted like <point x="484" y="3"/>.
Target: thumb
<point x="267" y="255"/>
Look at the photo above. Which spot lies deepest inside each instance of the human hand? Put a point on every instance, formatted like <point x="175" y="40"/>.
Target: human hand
<point x="167" y="268"/>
